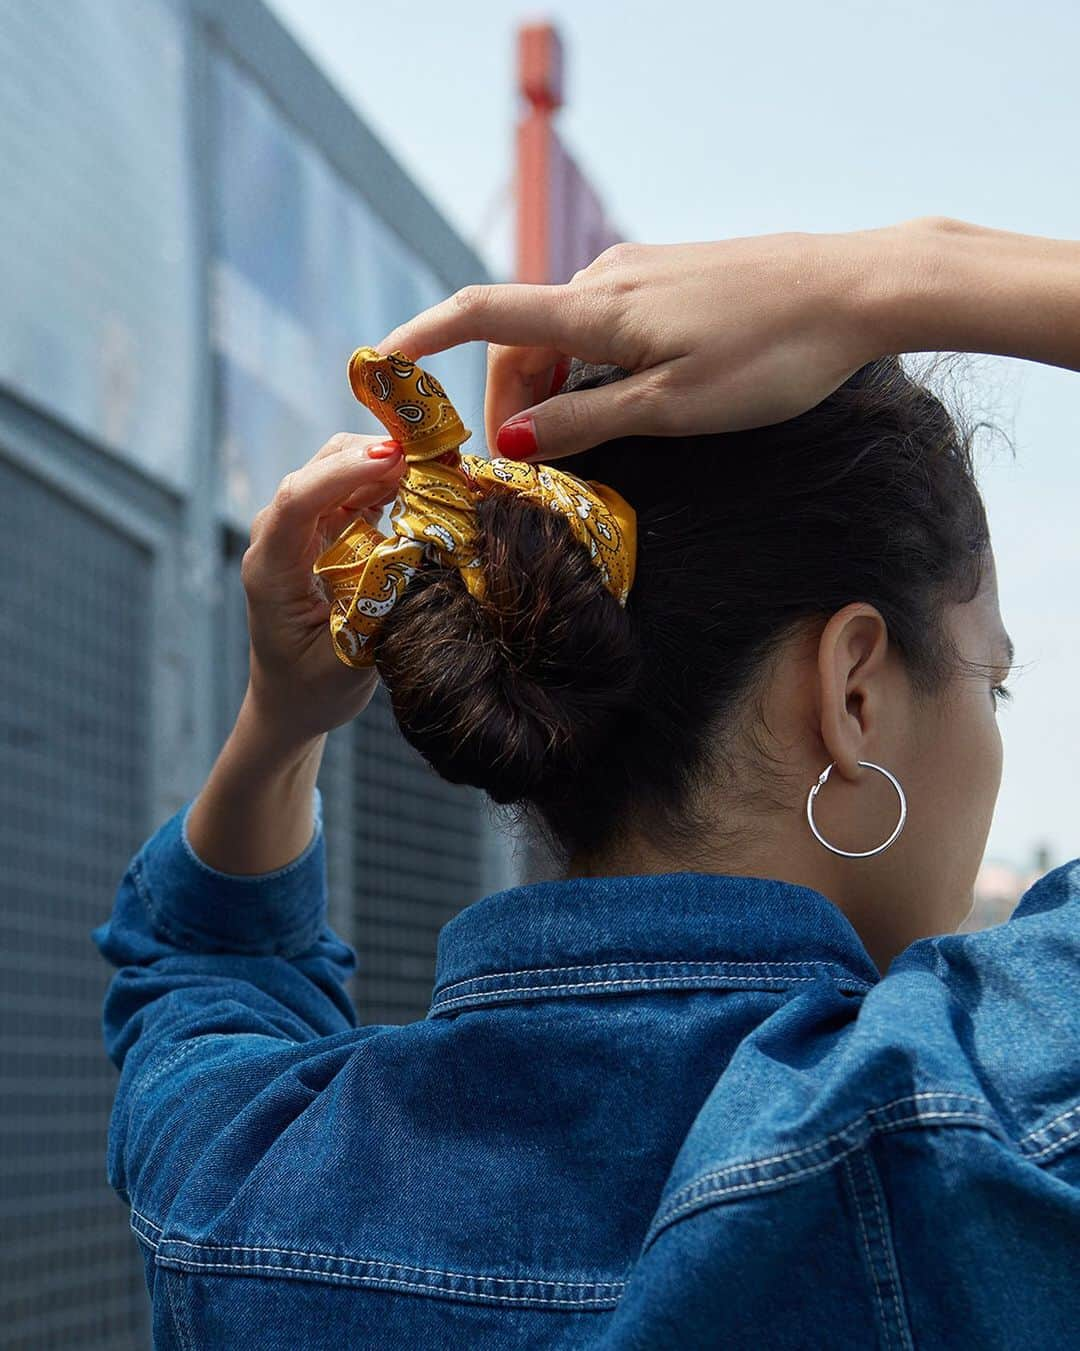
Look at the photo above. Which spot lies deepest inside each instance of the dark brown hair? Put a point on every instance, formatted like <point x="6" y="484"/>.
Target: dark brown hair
<point x="596" y="718"/>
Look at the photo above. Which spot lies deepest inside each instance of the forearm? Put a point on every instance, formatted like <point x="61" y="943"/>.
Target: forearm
<point x="945" y="285"/>
<point x="254" y="814"/>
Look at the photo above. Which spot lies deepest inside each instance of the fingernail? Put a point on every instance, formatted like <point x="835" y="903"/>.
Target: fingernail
<point x="558" y="377"/>
<point x="383" y="450"/>
<point x="516" y="439"/>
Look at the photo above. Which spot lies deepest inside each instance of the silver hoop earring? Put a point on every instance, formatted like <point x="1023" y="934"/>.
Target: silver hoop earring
<point x="847" y="853"/>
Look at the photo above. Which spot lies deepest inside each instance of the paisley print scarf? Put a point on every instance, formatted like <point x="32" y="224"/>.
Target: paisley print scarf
<point x="434" y="514"/>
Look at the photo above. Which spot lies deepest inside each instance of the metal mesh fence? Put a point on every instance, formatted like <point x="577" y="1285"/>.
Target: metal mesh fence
<point x="74" y="688"/>
<point x="420" y="852"/>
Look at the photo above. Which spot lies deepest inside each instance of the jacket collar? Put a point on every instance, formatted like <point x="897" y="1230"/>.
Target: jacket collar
<point x="609" y="935"/>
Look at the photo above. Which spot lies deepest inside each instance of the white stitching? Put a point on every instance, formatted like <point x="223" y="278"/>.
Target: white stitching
<point x="828" y="1139"/>
<point x="1049" y="1125"/>
<point x="149" y="1223"/>
<point x="617" y="966"/>
<point x="175" y="1296"/>
<point x="1049" y="1149"/>
<point x="187" y="1264"/>
<point x="672" y="982"/>
<point x="361" y="1261"/>
<point x="399" y="1266"/>
<point x="886" y="1243"/>
<point x="866" y="1243"/>
<point x="150" y="1243"/>
<point x="788" y="1177"/>
<point x="153" y="1073"/>
<point x="810" y="1169"/>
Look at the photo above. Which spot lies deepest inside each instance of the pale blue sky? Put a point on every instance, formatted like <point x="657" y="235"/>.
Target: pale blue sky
<point x="698" y="121"/>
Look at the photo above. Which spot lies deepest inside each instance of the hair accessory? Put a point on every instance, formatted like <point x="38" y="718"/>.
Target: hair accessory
<point x="434" y="514"/>
<point x="821" y="779"/>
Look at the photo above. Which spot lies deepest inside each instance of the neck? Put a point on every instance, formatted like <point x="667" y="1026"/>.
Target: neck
<point x="852" y="885"/>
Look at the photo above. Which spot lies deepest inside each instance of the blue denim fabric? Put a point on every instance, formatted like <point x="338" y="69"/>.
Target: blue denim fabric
<point x="672" y="1111"/>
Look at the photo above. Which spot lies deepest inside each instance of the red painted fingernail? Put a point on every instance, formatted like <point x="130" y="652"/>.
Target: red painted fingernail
<point x="383" y="450"/>
<point x="562" y="370"/>
<point x="516" y="439"/>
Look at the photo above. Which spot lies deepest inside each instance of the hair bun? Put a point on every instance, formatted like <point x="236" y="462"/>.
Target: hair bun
<point x="516" y="692"/>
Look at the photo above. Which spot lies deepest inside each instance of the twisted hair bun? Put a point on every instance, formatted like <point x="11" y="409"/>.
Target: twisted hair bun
<point x="516" y="693"/>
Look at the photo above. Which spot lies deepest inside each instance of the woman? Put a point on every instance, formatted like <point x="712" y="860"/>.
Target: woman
<point x="733" y="1079"/>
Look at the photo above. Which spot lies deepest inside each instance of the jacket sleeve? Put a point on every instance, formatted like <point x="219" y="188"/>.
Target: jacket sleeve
<point x="920" y="1183"/>
<point x="927" y="1237"/>
<point x="225" y="985"/>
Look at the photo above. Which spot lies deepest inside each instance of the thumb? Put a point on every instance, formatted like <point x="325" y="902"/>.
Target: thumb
<point x="569" y="423"/>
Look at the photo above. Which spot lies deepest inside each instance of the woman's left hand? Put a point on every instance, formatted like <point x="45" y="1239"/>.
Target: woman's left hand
<point x="297" y="683"/>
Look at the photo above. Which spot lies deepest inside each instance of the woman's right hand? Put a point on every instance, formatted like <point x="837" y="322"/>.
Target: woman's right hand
<point x="297" y="682"/>
<point x="719" y="337"/>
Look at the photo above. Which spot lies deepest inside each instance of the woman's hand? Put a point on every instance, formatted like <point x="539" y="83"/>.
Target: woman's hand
<point x="296" y="682"/>
<point x="719" y="336"/>
<point x="746" y="332"/>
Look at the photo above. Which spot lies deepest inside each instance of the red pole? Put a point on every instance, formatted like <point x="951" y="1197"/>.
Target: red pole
<point x="540" y="69"/>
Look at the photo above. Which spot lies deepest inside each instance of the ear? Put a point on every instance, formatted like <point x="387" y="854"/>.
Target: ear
<point x="850" y="664"/>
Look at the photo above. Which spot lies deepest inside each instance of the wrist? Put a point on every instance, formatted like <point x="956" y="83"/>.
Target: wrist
<point x="936" y="284"/>
<point x="255" y="812"/>
<point x="272" y="733"/>
<point x="899" y="282"/>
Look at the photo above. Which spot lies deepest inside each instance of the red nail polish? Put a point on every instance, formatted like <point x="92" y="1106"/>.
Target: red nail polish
<point x="558" y="378"/>
<point x="383" y="450"/>
<point x="516" y="439"/>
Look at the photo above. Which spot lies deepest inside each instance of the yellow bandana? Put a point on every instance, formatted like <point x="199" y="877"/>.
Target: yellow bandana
<point x="434" y="515"/>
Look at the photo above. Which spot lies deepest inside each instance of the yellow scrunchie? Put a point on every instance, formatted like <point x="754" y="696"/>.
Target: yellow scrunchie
<point x="434" y="514"/>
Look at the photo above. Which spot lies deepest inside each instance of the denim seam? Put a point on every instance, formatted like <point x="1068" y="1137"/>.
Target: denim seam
<point x="854" y="1189"/>
<point x="763" y="1184"/>
<point x="629" y="984"/>
<point x="157" y="920"/>
<point x="396" y="1266"/>
<point x="148" y="1222"/>
<point x="698" y="1195"/>
<point x="595" y="1287"/>
<point x="150" y="1242"/>
<point x="761" y="967"/>
<point x="1040" y="1133"/>
<point x="941" y="1095"/>
<point x="155" y="1072"/>
<point x="178" y="1309"/>
<point x="289" y="944"/>
<point x="882" y="1268"/>
<point x="382" y="1282"/>
<point x="874" y="1180"/>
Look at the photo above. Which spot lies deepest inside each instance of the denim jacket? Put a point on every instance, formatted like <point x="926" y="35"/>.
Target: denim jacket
<point x="646" y="1111"/>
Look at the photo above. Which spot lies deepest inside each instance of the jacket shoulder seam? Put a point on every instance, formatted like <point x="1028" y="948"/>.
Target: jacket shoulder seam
<point x="771" y="1172"/>
<point x="1052" y="1137"/>
<point x="240" y="1259"/>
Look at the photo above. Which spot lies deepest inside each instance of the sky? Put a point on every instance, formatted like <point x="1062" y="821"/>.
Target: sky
<point x="707" y="121"/>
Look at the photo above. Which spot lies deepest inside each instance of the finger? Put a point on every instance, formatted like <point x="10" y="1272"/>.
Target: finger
<point x="515" y="314"/>
<point x="359" y="502"/>
<point x="283" y="533"/>
<point x="517" y="377"/>
<point x="350" y="441"/>
<point x="640" y="405"/>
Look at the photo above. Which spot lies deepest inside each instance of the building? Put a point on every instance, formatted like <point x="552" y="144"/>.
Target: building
<point x="195" y="231"/>
<point x="999" y="886"/>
